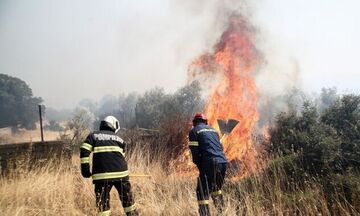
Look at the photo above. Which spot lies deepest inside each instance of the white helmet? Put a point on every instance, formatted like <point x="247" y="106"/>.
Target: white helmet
<point x="112" y="122"/>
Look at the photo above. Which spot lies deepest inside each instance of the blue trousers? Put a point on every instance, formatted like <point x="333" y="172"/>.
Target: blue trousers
<point x="210" y="182"/>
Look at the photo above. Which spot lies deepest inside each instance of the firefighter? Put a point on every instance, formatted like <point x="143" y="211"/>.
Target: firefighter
<point x="208" y="155"/>
<point x="109" y="167"/>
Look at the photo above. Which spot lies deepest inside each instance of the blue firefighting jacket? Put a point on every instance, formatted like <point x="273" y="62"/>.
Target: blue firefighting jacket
<point x="205" y="146"/>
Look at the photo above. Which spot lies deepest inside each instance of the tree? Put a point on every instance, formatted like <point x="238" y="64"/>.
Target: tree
<point x="89" y="104"/>
<point x="321" y="145"/>
<point x="127" y="116"/>
<point x="52" y="114"/>
<point x="344" y="116"/>
<point x="122" y="107"/>
<point x="313" y="145"/>
<point x="80" y="126"/>
<point x="186" y="101"/>
<point x="155" y="106"/>
<point x="18" y="106"/>
<point x="327" y="98"/>
<point x="53" y="126"/>
<point x="108" y="104"/>
<point x="170" y="114"/>
<point x="147" y="109"/>
<point x="175" y="123"/>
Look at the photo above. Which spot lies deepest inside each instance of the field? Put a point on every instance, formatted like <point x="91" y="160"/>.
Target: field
<point x="61" y="190"/>
<point x="26" y="135"/>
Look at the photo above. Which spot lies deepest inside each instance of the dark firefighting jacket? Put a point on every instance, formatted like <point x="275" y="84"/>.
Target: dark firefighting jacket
<point x="205" y="145"/>
<point x="108" y="161"/>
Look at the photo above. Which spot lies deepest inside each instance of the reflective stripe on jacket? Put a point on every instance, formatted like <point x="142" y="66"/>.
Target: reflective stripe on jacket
<point x="108" y="161"/>
<point x="205" y="145"/>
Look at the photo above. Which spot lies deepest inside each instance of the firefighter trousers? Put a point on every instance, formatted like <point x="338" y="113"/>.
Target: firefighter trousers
<point x="210" y="182"/>
<point x="123" y="186"/>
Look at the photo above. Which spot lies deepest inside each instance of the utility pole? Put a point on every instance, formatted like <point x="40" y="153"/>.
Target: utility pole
<point x="41" y="124"/>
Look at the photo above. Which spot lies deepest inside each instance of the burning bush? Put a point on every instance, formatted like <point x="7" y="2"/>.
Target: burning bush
<point x="233" y="95"/>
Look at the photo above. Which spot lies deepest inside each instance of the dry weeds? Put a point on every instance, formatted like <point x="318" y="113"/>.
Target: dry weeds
<point x="60" y="190"/>
<point x="26" y="136"/>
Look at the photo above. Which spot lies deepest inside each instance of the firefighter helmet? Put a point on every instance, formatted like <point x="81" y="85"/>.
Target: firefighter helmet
<point x="111" y="122"/>
<point x="199" y="117"/>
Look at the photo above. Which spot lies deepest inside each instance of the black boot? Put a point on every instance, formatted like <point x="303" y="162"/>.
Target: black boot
<point x="204" y="210"/>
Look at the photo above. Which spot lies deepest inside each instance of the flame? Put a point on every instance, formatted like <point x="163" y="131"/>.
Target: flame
<point x="234" y="93"/>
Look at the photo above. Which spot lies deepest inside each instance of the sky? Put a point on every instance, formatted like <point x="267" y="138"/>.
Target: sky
<point x="73" y="49"/>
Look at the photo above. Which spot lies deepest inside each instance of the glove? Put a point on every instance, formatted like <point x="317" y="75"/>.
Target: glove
<point x="86" y="174"/>
<point x="85" y="170"/>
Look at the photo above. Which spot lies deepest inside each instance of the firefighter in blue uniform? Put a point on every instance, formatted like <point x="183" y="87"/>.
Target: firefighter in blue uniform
<point x="208" y="155"/>
<point x="109" y="167"/>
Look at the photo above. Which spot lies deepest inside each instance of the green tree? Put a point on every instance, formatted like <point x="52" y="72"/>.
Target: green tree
<point x="344" y="117"/>
<point x="155" y="106"/>
<point x="321" y="145"/>
<point x="313" y="145"/>
<point x="148" y="112"/>
<point x="18" y="106"/>
<point x="327" y="98"/>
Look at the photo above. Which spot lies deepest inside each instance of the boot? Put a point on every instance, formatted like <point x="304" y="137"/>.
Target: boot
<point x="204" y="210"/>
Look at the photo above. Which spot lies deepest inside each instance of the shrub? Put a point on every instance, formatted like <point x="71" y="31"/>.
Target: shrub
<point x="322" y="146"/>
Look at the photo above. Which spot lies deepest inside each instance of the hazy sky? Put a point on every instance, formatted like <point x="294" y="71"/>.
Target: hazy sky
<point x="72" y="49"/>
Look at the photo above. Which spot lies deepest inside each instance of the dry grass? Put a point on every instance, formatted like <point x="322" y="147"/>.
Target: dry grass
<point x="26" y="135"/>
<point x="62" y="191"/>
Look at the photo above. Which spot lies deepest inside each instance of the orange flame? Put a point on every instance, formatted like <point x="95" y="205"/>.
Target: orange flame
<point x="234" y="95"/>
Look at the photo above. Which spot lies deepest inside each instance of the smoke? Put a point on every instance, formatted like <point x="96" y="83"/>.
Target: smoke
<point x="277" y="76"/>
<point x="279" y="82"/>
<point x="67" y="51"/>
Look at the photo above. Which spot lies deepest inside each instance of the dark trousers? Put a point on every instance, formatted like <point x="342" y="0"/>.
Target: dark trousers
<point x="210" y="182"/>
<point x="123" y="186"/>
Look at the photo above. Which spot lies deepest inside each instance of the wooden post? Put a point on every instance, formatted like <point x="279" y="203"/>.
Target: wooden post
<point x="41" y="124"/>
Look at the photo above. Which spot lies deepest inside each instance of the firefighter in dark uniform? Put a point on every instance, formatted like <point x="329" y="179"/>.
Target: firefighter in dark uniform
<point x="208" y="155"/>
<point x="109" y="167"/>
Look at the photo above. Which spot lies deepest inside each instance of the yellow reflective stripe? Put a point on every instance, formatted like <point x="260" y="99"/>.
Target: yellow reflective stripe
<point x="110" y="175"/>
<point x="84" y="160"/>
<point x="193" y="143"/>
<point x="130" y="208"/>
<point x="206" y="130"/>
<point x="100" y="149"/>
<point x="86" y="146"/>
<point x="216" y="193"/>
<point x="203" y="202"/>
<point x="104" y="213"/>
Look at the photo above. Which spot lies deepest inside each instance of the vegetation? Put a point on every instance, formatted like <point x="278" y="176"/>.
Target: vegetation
<point x="18" y="106"/>
<point x="59" y="189"/>
<point x="56" y="115"/>
<point x="149" y="110"/>
<point x="77" y="128"/>
<point x="170" y="115"/>
<point x="323" y="147"/>
<point x="313" y="153"/>
<point x="53" y="126"/>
